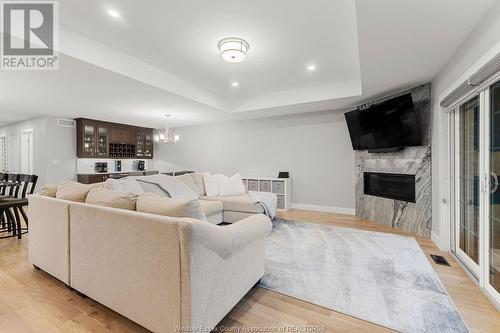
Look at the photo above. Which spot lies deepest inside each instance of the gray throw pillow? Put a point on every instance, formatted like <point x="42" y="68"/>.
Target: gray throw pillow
<point x="188" y="180"/>
<point x="154" y="204"/>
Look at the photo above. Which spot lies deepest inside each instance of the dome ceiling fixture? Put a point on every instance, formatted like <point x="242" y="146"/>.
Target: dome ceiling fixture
<point x="233" y="49"/>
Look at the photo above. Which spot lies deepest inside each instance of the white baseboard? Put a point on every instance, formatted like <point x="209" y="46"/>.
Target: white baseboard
<point x="435" y="238"/>
<point x="439" y="242"/>
<point x="328" y="209"/>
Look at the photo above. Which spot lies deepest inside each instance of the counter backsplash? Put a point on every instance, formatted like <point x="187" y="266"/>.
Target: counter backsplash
<point x="86" y="165"/>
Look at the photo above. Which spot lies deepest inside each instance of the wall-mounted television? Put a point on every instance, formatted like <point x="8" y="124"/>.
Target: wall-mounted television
<point x="386" y="126"/>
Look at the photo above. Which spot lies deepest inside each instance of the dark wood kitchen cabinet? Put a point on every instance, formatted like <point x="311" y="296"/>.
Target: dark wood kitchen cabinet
<point x="144" y="143"/>
<point x="100" y="139"/>
<point x="86" y="130"/>
<point x="122" y="134"/>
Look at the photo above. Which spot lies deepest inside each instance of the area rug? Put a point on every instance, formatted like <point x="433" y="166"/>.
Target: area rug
<point x="378" y="277"/>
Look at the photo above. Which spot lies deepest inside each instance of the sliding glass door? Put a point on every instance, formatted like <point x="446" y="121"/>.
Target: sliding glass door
<point x="476" y="165"/>
<point x="468" y="155"/>
<point x="493" y="230"/>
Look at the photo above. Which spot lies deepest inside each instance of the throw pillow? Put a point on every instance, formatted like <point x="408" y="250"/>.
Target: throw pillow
<point x="49" y="190"/>
<point x="131" y="185"/>
<point x="231" y="185"/>
<point x="113" y="185"/>
<point x="154" y="204"/>
<point x="74" y="191"/>
<point x="198" y="180"/>
<point x="104" y="197"/>
<point x="153" y="188"/>
<point x="188" y="180"/>
<point x="211" y="183"/>
<point x="172" y="186"/>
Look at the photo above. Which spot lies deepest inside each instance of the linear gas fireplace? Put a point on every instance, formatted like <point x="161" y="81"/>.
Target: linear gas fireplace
<point x="390" y="185"/>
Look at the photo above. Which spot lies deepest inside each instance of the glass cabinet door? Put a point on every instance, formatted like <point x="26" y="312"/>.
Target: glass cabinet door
<point x="102" y="141"/>
<point x="89" y="144"/>
<point x="140" y="144"/>
<point x="148" y="144"/>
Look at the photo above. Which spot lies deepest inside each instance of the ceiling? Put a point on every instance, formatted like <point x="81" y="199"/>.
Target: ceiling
<point x="160" y="56"/>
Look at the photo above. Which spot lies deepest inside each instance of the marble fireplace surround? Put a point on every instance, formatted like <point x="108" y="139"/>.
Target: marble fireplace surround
<point x="413" y="217"/>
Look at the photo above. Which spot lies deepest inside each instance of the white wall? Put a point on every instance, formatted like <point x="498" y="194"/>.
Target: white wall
<point x="314" y="148"/>
<point x="483" y="41"/>
<point x="54" y="148"/>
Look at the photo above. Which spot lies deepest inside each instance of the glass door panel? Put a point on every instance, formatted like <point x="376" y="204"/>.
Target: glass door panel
<point x="102" y="141"/>
<point x="476" y="189"/>
<point x="89" y="140"/>
<point x="494" y="209"/>
<point x="467" y="228"/>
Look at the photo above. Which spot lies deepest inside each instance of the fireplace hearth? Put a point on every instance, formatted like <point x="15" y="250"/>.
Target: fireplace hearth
<point x="390" y="185"/>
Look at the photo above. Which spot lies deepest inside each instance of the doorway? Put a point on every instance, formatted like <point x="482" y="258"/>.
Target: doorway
<point x="27" y="155"/>
<point x="3" y="154"/>
<point x="12" y="153"/>
<point x="476" y="187"/>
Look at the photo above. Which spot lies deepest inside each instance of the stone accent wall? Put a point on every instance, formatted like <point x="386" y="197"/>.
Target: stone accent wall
<point x="414" y="217"/>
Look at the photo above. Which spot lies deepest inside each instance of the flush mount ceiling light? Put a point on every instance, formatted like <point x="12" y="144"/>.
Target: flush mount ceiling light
<point x="165" y="137"/>
<point x="233" y="49"/>
<point x="235" y="84"/>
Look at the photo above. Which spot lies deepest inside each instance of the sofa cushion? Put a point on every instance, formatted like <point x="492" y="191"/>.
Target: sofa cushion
<point x="49" y="190"/>
<point x="74" y="191"/>
<point x="211" y="183"/>
<point x="211" y="207"/>
<point x="198" y="180"/>
<point x="117" y="199"/>
<point x="237" y="203"/>
<point x="155" y="204"/>
<point x="231" y="185"/>
<point x="188" y="180"/>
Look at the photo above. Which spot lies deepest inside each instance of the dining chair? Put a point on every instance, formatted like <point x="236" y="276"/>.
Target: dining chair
<point x="13" y="203"/>
<point x="9" y="188"/>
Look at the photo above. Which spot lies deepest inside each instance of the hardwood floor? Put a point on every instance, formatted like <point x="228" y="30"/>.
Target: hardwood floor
<point x="33" y="301"/>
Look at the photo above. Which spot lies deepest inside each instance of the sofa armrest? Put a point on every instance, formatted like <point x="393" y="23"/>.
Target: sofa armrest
<point x="48" y="244"/>
<point x="230" y="239"/>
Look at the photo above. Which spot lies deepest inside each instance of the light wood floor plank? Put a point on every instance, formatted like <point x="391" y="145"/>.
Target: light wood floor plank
<point x="33" y="301"/>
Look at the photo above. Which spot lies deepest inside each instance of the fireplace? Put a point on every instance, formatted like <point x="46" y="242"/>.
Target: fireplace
<point x="390" y="185"/>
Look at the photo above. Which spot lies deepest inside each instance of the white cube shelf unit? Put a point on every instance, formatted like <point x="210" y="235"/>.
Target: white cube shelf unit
<point x="281" y="186"/>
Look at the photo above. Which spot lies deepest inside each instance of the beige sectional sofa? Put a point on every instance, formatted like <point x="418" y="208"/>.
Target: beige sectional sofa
<point x="227" y="209"/>
<point x="233" y="208"/>
<point x="160" y="272"/>
<point x="217" y="209"/>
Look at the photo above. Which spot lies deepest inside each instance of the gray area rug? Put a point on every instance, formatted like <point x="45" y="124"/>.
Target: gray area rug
<point x="378" y="277"/>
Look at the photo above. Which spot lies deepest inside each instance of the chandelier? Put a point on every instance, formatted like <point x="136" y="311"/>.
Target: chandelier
<point x="165" y="137"/>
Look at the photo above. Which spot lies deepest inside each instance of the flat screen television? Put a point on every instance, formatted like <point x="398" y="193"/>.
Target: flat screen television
<point x="386" y="126"/>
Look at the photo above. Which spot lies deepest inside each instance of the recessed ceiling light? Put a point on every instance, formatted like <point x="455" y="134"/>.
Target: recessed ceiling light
<point x="113" y="13"/>
<point x="235" y="84"/>
<point x="233" y="49"/>
<point x="311" y="67"/>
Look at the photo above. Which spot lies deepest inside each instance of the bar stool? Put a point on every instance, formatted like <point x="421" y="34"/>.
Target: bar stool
<point x="13" y="204"/>
<point x="9" y="188"/>
<point x="3" y="178"/>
